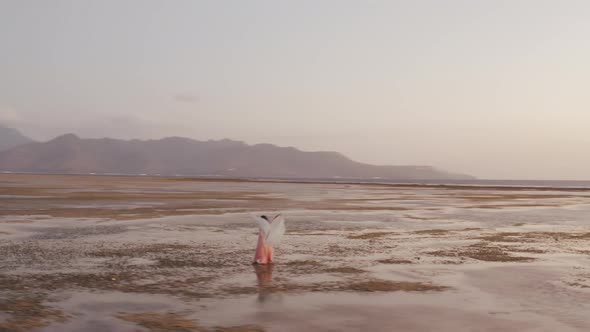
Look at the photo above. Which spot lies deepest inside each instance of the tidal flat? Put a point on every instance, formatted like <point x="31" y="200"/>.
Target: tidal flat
<point x="99" y="253"/>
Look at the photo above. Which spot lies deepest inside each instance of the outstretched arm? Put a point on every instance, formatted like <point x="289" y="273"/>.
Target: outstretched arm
<point x="276" y="231"/>
<point x="263" y="224"/>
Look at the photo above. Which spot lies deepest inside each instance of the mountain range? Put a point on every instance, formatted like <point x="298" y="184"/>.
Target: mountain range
<point x="10" y="137"/>
<point x="70" y="154"/>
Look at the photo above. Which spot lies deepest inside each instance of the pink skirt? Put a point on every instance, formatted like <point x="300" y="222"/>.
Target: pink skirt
<point x="264" y="252"/>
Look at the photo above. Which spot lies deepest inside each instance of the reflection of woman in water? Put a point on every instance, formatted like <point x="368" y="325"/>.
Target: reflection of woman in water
<point x="264" y="277"/>
<point x="271" y="232"/>
<point x="263" y="274"/>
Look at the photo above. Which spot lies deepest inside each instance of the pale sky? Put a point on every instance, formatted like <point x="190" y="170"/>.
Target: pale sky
<point x="495" y="89"/>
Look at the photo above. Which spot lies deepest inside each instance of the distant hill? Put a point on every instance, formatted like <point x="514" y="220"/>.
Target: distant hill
<point x="182" y="156"/>
<point x="10" y="138"/>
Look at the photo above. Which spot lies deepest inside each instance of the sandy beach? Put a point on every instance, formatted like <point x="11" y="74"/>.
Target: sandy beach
<point x="97" y="253"/>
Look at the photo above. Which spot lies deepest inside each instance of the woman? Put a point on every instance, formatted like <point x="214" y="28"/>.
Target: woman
<point x="271" y="232"/>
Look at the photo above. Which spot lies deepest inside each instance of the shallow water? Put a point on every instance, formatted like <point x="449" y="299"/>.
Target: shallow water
<point x="457" y="254"/>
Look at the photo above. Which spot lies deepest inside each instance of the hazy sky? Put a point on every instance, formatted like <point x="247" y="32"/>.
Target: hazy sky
<point x="496" y="89"/>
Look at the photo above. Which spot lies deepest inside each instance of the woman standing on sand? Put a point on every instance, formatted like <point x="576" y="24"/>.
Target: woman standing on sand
<point x="271" y="232"/>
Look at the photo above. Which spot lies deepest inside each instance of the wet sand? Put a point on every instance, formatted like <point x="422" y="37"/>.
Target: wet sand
<point x="155" y="254"/>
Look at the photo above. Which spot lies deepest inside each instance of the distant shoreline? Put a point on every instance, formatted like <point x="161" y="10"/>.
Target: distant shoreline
<point x="538" y="185"/>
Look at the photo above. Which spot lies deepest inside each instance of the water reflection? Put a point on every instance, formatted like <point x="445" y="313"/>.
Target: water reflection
<point x="264" y="277"/>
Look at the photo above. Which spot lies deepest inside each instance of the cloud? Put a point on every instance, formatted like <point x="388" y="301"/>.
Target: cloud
<point x="9" y="116"/>
<point x="186" y="98"/>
